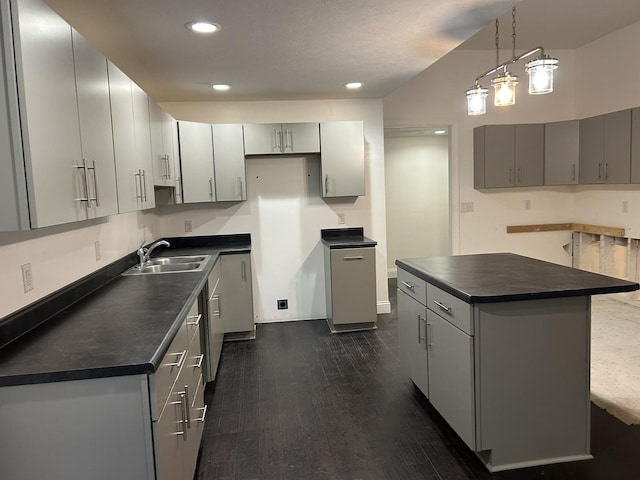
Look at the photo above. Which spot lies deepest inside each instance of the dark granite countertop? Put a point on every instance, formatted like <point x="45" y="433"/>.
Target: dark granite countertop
<point x="503" y="277"/>
<point x="351" y="237"/>
<point x="122" y="328"/>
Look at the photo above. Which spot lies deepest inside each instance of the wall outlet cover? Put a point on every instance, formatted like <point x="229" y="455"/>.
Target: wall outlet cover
<point x="27" y="277"/>
<point x="96" y="245"/>
<point x="283" y="304"/>
<point x="188" y="226"/>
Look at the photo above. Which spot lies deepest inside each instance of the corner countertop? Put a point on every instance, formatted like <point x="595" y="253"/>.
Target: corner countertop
<point x="123" y="328"/>
<point x="504" y="277"/>
<point x="352" y="237"/>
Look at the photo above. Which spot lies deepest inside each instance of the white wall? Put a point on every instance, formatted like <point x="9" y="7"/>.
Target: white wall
<point x="284" y="211"/>
<point x="436" y="97"/>
<point x="62" y="254"/>
<point x="417" y="193"/>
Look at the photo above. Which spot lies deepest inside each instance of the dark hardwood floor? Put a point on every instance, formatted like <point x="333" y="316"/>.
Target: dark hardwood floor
<point x="300" y="403"/>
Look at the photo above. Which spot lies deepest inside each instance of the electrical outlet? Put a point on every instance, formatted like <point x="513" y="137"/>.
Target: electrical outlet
<point x="625" y="207"/>
<point x="27" y="277"/>
<point x="188" y="226"/>
<point x="466" y="207"/>
<point x="341" y="218"/>
<point x="283" y="304"/>
<point x="527" y="204"/>
<point x="96" y="245"/>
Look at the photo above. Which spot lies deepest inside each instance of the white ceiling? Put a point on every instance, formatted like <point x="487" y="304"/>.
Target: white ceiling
<point x="308" y="49"/>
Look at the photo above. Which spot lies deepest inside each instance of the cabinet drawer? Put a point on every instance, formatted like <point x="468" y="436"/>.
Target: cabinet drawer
<point x="451" y="308"/>
<point x="412" y="286"/>
<point x="162" y="381"/>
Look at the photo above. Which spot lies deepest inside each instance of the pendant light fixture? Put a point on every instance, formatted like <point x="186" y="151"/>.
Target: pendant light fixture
<point x="540" y="72"/>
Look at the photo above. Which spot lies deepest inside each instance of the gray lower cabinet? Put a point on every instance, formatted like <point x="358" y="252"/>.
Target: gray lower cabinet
<point x="342" y="159"/>
<point x="508" y="156"/>
<point x="412" y="341"/>
<point x="237" y="303"/>
<point x="510" y="378"/>
<point x="605" y="148"/>
<point x="132" y="426"/>
<point x="215" y="326"/>
<point x="561" y="152"/>
<point x="350" y="286"/>
<point x="269" y="138"/>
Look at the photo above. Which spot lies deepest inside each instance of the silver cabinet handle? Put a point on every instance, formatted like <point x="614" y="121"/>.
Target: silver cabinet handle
<point x="164" y="166"/>
<point x="419" y="330"/>
<point x="518" y="175"/>
<point x="182" y="413"/>
<point x="606" y="174"/>
<point x="211" y="187"/>
<point x="168" y="166"/>
<point x="200" y="359"/>
<point x="599" y="170"/>
<point x="408" y="285"/>
<point x="243" y="270"/>
<point x="96" y="197"/>
<point x="181" y="356"/>
<point x="429" y="334"/>
<point x="573" y="172"/>
<point x="204" y="414"/>
<point x="138" y="185"/>
<point x="178" y="187"/>
<point x="326" y="184"/>
<point x="192" y="322"/>
<point x="143" y="180"/>
<point x="187" y="409"/>
<point x="354" y="257"/>
<point x="287" y="144"/>
<point x="442" y="306"/>
<point x="86" y="184"/>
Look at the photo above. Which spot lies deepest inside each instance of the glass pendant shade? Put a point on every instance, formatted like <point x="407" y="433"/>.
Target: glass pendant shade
<point x="504" y="89"/>
<point x="540" y="73"/>
<point x="477" y="100"/>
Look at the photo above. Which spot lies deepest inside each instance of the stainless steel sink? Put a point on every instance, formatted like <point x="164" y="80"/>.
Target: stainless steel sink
<point x="174" y="260"/>
<point x="170" y="265"/>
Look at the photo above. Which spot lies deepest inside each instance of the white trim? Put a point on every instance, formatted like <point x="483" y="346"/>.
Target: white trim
<point x="384" y="307"/>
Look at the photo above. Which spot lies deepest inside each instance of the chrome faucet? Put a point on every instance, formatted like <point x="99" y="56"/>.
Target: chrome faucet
<point x="145" y="253"/>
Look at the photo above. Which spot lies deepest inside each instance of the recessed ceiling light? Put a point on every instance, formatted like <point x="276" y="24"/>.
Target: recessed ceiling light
<point x="440" y="132"/>
<point x="353" y="85"/>
<point x="203" y="27"/>
<point x="220" y="87"/>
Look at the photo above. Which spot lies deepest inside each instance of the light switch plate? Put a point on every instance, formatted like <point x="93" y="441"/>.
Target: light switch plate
<point x="340" y="218"/>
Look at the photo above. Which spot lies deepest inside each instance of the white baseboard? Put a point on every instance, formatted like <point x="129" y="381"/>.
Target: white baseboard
<point x="392" y="273"/>
<point x="384" y="307"/>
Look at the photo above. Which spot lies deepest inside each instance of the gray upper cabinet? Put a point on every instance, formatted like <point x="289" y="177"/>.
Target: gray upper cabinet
<point x="268" y="138"/>
<point x="228" y="160"/>
<point x="166" y="167"/>
<point x="94" y="112"/>
<point x="132" y="145"/>
<point x="342" y="158"/>
<point x="14" y="209"/>
<point x="561" y="148"/>
<point x="62" y="178"/>
<point x="605" y="148"/>
<point x="508" y="156"/>
<point x="635" y="145"/>
<point x="196" y="160"/>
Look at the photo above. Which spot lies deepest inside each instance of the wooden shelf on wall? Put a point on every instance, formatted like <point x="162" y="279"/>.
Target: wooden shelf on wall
<point x="574" y="227"/>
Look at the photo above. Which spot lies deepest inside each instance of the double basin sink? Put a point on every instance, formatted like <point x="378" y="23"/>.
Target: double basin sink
<point x="191" y="263"/>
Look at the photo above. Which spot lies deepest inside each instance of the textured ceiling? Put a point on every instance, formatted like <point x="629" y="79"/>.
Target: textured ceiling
<point x="308" y="49"/>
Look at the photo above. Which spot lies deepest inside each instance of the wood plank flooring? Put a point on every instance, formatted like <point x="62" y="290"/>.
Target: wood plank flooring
<point x="300" y="403"/>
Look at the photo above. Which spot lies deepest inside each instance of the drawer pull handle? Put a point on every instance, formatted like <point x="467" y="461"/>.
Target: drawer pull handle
<point x="355" y="257"/>
<point x="442" y="306"/>
<point x="196" y="322"/>
<point x="204" y="414"/>
<point x="199" y="364"/>
<point x="408" y="285"/>
<point x="180" y="359"/>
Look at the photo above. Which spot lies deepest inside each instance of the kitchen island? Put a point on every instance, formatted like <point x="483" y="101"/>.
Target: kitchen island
<point x="500" y="345"/>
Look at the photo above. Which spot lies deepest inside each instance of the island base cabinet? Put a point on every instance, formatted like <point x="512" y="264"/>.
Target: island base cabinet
<point x="412" y="317"/>
<point x="97" y="428"/>
<point x="532" y="363"/>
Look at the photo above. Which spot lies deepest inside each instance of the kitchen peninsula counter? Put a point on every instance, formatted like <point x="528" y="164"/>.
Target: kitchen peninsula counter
<point x="500" y="345"/>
